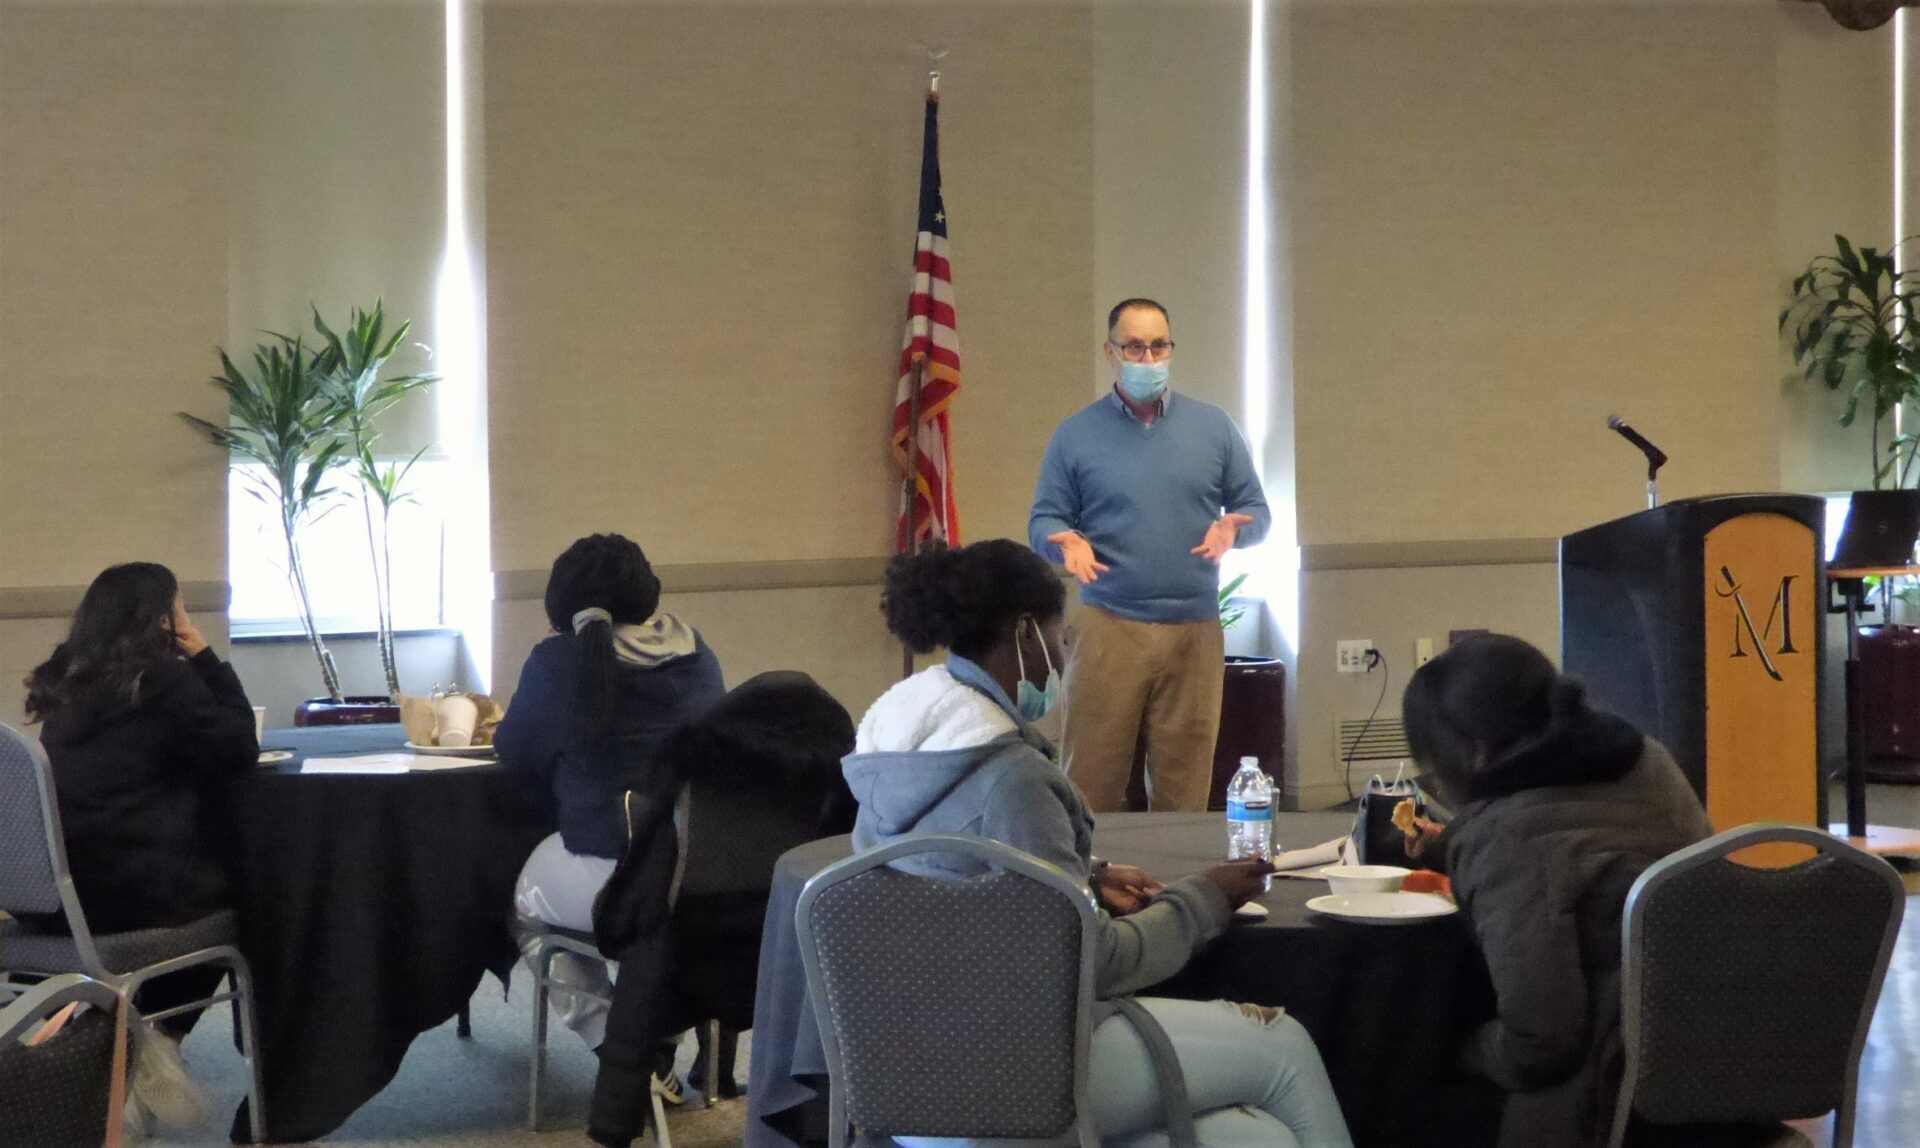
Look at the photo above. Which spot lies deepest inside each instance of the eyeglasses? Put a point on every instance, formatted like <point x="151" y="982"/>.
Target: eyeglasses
<point x="1134" y="351"/>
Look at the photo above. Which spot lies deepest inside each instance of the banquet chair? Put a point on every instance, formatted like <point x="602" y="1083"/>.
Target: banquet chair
<point x="34" y="879"/>
<point x="1747" y="992"/>
<point x="957" y="1006"/>
<point x="57" y="1092"/>
<point x="542" y="943"/>
<point x="764" y="776"/>
<point x="722" y="874"/>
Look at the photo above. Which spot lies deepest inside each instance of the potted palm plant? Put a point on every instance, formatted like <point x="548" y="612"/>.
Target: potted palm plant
<point x="300" y="420"/>
<point x="284" y="418"/>
<point x="1852" y="324"/>
<point x="353" y="362"/>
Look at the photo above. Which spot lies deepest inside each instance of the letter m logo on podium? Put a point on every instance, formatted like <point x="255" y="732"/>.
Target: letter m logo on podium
<point x="1779" y="609"/>
<point x="1762" y="681"/>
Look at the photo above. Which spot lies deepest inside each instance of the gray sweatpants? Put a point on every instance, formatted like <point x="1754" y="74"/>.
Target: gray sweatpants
<point x="558" y="887"/>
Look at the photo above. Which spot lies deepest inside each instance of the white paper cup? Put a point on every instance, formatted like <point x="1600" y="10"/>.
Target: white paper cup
<point x="259" y="723"/>
<point x="1351" y="879"/>
<point x="454" y="717"/>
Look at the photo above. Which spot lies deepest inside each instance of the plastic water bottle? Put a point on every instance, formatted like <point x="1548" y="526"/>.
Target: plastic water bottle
<point x="1250" y="814"/>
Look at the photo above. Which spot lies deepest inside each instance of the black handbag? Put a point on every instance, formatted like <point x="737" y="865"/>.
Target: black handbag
<point x="1376" y="839"/>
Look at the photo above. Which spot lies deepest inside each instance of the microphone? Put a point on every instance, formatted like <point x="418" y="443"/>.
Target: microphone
<point x="1656" y="458"/>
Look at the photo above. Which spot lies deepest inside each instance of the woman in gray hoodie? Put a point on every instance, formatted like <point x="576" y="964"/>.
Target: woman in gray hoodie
<point x="952" y="749"/>
<point x="1559" y="809"/>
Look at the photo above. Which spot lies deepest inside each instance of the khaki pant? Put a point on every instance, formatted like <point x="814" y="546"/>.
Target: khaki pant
<point x="1154" y="681"/>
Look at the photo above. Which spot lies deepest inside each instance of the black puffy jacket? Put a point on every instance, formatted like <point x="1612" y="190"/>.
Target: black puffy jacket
<point x="143" y="793"/>
<point x="1542" y="875"/>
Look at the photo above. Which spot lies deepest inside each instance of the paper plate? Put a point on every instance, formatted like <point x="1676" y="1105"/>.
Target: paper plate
<point x="1383" y="908"/>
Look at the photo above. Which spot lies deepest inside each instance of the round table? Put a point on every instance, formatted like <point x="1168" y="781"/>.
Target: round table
<point x="370" y="907"/>
<point x="1387" y="1005"/>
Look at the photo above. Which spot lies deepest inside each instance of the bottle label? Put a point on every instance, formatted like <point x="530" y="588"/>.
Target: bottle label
<point x="1249" y="811"/>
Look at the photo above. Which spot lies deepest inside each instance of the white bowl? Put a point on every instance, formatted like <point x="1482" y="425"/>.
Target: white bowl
<point x="1348" y="880"/>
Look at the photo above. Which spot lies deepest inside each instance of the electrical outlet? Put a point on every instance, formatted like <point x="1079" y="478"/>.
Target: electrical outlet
<point x="1422" y="651"/>
<point x="1353" y="655"/>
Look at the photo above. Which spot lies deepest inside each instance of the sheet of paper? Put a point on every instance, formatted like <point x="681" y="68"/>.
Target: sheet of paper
<point x="363" y="763"/>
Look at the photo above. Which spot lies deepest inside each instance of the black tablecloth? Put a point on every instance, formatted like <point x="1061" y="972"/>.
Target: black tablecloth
<point x="370" y="907"/>
<point x="1387" y="1005"/>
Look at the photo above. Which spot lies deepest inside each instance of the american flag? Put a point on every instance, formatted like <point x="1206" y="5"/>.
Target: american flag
<point x="929" y="360"/>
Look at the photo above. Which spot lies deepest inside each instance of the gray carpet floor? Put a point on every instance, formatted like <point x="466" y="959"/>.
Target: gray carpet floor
<point x="453" y="1093"/>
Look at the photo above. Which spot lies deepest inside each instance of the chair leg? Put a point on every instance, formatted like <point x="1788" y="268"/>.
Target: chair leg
<point x="463" y="1022"/>
<point x="542" y="966"/>
<point x="661" y="1137"/>
<point x="712" y="1091"/>
<point x="250" y="1048"/>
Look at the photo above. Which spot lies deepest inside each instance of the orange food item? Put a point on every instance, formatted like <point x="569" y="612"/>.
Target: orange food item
<point x="1427" y="881"/>
<point x="1404" y="817"/>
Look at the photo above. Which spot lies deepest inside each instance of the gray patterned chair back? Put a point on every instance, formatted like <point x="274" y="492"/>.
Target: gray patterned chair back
<point x="955" y="1006"/>
<point x="1747" y="992"/>
<point x="30" y="867"/>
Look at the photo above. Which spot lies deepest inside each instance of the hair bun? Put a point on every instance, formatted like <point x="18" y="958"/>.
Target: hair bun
<point x="924" y="596"/>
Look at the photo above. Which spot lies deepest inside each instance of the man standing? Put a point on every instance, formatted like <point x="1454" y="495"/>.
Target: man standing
<point x="1140" y="496"/>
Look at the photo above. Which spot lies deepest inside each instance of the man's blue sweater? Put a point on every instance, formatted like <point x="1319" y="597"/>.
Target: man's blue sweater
<point x="1144" y="497"/>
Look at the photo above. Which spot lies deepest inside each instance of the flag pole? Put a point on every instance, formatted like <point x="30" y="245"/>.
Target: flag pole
<point x="913" y="488"/>
<point x="913" y="429"/>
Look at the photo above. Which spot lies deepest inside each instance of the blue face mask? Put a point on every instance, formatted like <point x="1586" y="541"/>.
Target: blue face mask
<point x="1143" y="382"/>
<point x="1034" y="702"/>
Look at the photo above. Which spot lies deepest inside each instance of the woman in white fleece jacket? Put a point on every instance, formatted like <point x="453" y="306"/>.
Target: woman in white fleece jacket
<point x="952" y="750"/>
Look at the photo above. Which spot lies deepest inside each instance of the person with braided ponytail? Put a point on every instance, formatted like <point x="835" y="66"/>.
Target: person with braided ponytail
<point x="952" y="749"/>
<point x="595" y="699"/>
<point x="1559" y="807"/>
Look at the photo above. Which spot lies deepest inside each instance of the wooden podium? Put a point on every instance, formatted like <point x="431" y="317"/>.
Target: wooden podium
<point x="1702" y="622"/>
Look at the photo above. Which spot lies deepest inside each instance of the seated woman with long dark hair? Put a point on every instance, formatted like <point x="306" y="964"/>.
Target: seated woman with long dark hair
<point x="144" y="727"/>
<point x="594" y="702"/>
<point x="952" y="749"/>
<point x="1559" y="808"/>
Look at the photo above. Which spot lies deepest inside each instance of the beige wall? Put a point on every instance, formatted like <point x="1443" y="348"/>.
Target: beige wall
<point x="1513" y="220"/>
<point x="699" y="225"/>
<point x="112" y="288"/>
<point x="112" y="296"/>
<point x="1509" y="220"/>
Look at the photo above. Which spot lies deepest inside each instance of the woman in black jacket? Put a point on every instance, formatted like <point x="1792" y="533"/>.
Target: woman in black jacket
<point x="145" y="727"/>
<point x="1560" y="807"/>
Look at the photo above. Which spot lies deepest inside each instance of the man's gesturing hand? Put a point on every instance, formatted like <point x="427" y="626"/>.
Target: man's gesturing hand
<point x="1077" y="554"/>
<point x="1220" y="536"/>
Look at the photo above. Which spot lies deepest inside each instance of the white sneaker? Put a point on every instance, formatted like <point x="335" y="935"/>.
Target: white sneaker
<point x="135" y="1121"/>
<point x="162" y="1088"/>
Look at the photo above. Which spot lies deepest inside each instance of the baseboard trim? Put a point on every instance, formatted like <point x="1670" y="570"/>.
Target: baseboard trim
<point x="1441" y="552"/>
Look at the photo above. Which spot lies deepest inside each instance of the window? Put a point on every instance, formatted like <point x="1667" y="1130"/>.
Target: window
<point x="333" y="549"/>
